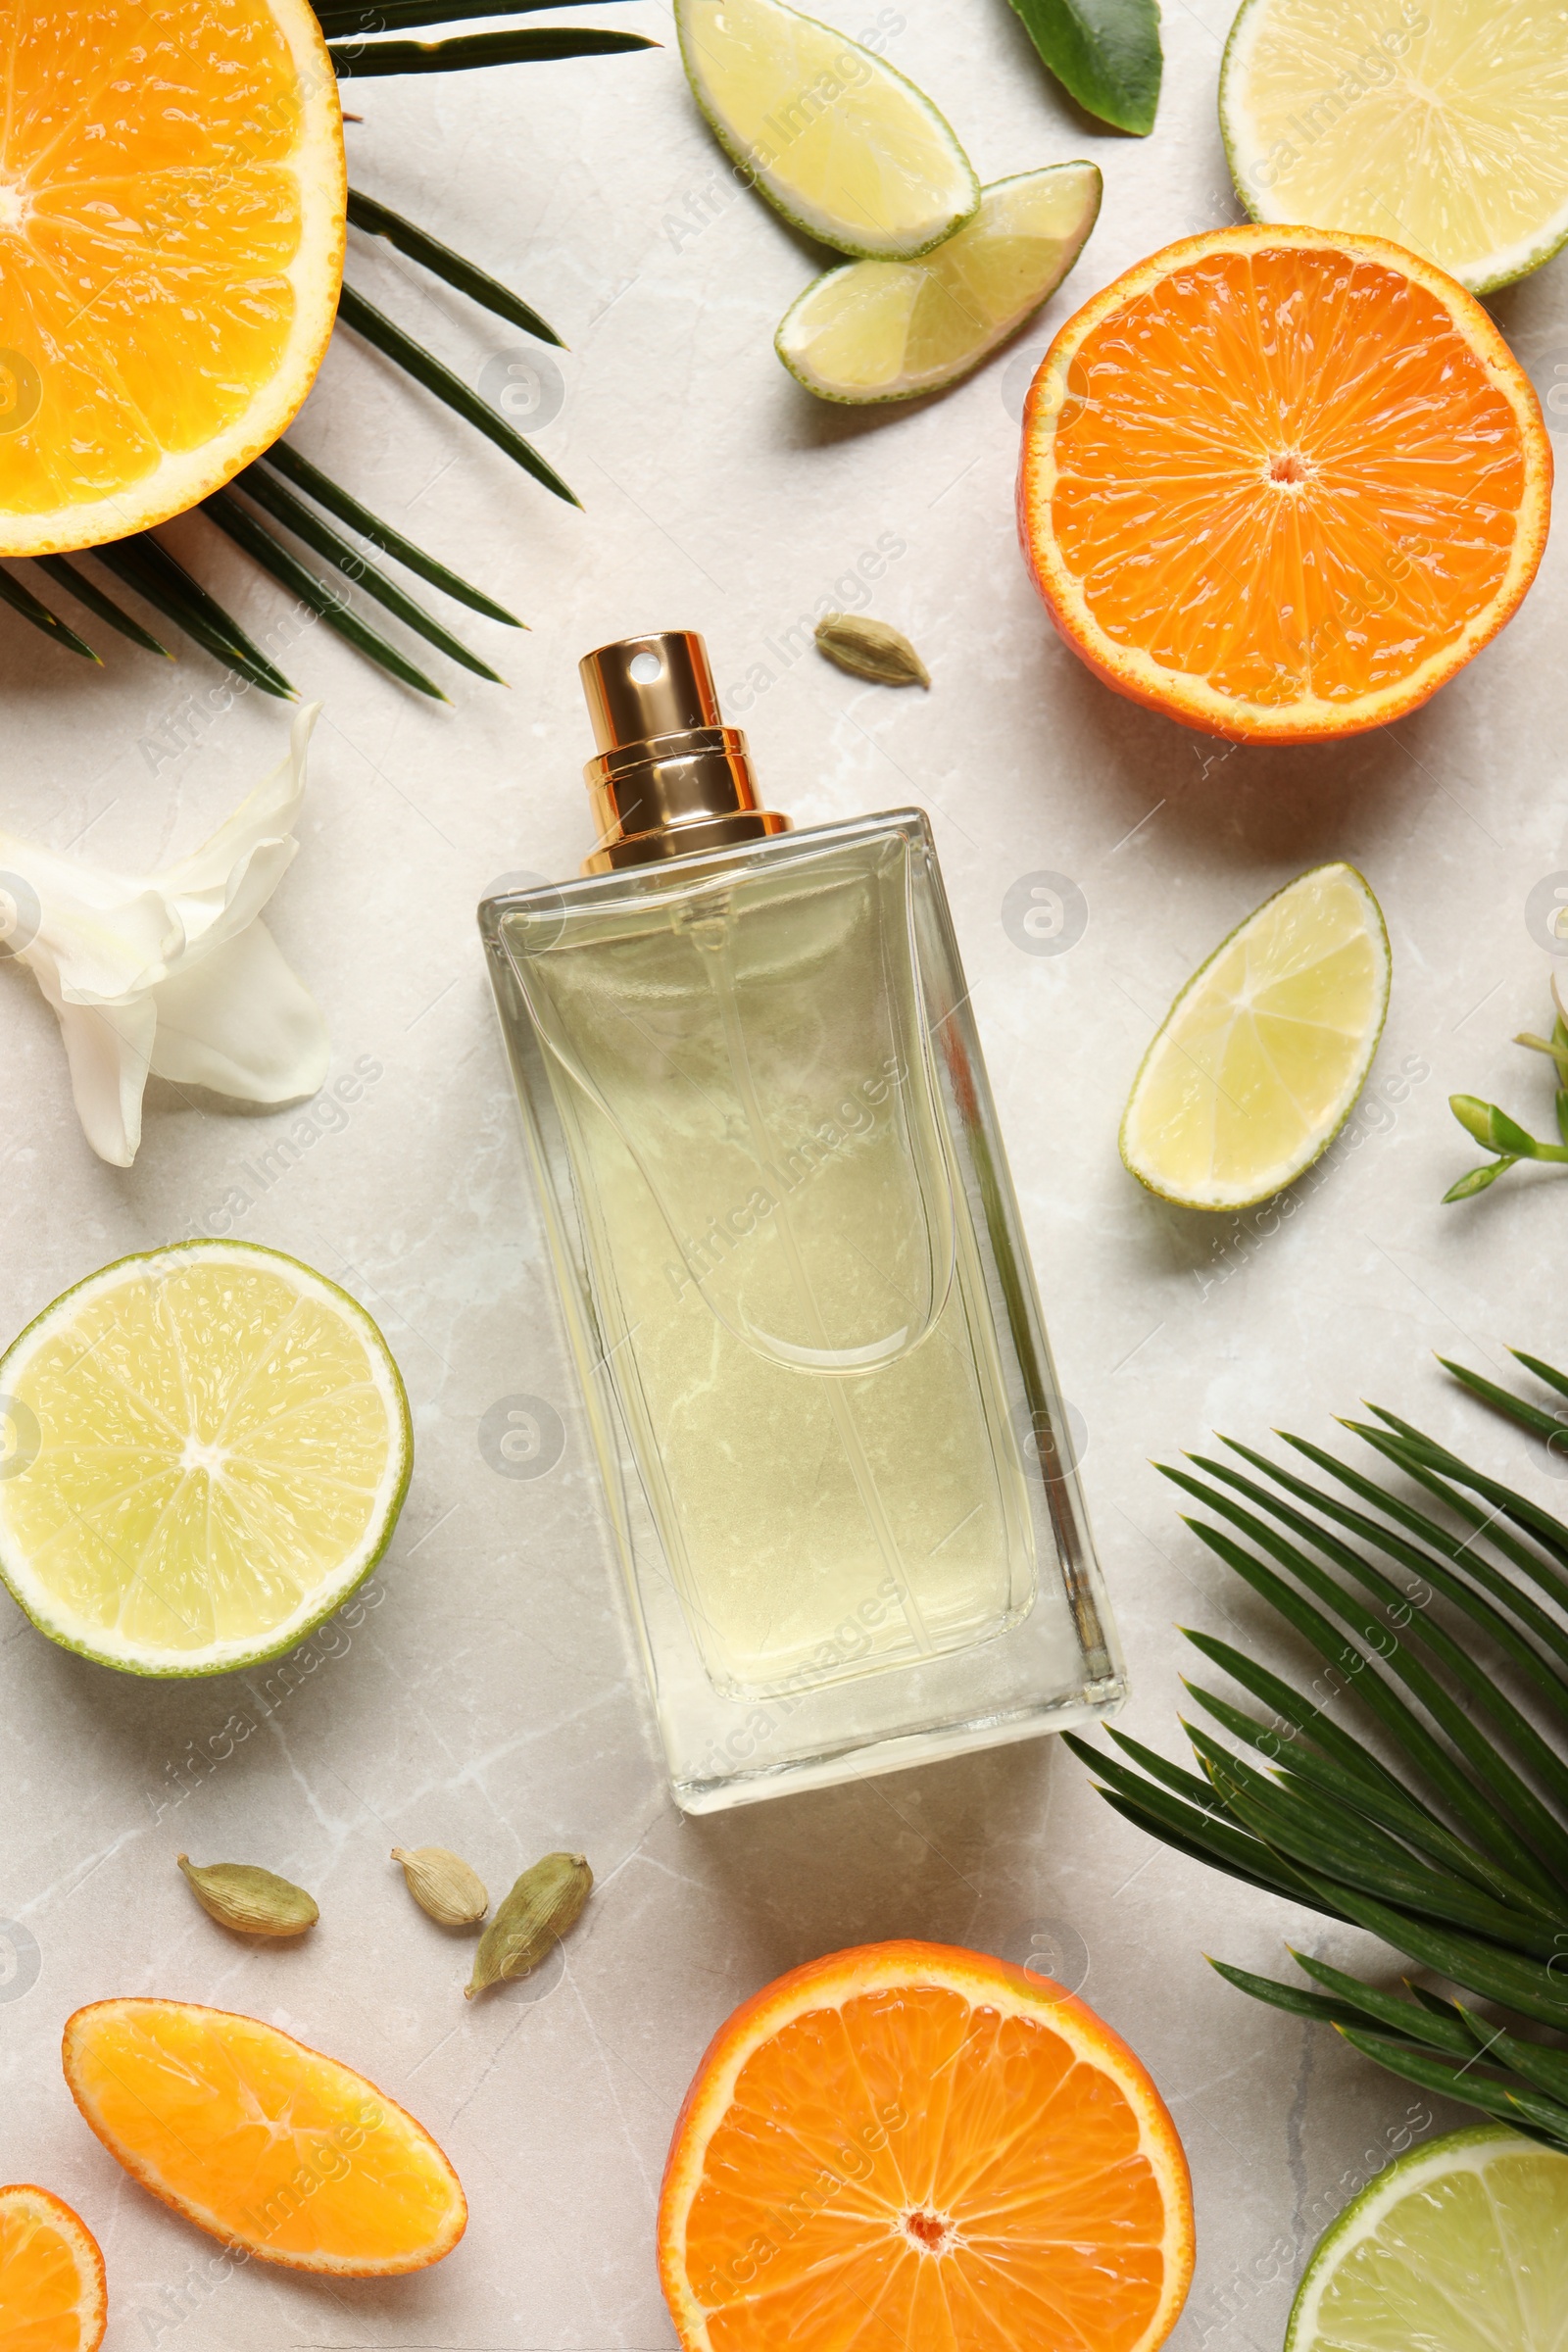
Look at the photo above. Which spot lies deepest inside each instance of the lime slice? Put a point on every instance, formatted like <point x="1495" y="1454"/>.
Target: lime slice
<point x="1460" y="2245"/>
<point x="885" y="330"/>
<point x="202" y="1451"/>
<point x="845" y="147"/>
<point x="1257" y="1063"/>
<point x="1443" y="126"/>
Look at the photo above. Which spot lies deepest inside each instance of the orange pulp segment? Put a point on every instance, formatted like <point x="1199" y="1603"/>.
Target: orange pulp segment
<point x="913" y="2146"/>
<point x="172" y="229"/>
<point x="1281" y="483"/>
<point x="265" y="2142"/>
<point x="52" y="2296"/>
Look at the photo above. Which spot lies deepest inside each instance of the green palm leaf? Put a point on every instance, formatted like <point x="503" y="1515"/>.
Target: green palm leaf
<point x="374" y="325"/>
<point x="144" y="566"/>
<point x="378" y="220"/>
<point x="357" y="60"/>
<point x="1458" y="1856"/>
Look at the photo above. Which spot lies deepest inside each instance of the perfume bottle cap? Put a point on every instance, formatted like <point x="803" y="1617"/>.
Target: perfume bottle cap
<point x="669" y="777"/>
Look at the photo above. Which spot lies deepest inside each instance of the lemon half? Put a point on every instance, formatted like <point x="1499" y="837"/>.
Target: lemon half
<point x="1443" y="126"/>
<point x="887" y="331"/>
<point x="1258" y="1062"/>
<point x="203" y="1450"/>
<point x="842" y="145"/>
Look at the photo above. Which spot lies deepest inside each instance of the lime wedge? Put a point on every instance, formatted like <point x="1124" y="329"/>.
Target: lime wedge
<point x="1460" y="2245"/>
<point x="1443" y="127"/>
<point x="839" y="142"/>
<point x="1257" y="1063"/>
<point x="202" y="1451"/>
<point x="885" y="330"/>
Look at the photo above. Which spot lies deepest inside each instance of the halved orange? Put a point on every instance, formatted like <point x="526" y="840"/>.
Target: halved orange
<point x="52" y="2294"/>
<point x="1281" y="483"/>
<point x="265" y="2142"/>
<point x="912" y="2148"/>
<point x="171" y="228"/>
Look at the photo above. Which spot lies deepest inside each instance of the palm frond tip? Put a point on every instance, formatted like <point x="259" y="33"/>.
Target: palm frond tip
<point x="1457" y="1855"/>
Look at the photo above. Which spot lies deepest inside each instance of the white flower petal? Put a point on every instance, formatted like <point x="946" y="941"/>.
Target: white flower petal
<point x="109" y="1048"/>
<point x="221" y="885"/>
<point x="173" y="972"/>
<point x="237" y="1020"/>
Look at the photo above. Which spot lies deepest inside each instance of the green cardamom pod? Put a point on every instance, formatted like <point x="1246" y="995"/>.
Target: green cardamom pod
<point x="443" y="1885"/>
<point x="252" y="1903"/>
<point x="545" y="1902"/>
<point x="871" y="650"/>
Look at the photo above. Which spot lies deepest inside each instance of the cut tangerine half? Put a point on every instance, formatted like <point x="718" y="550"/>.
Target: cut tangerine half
<point x="52" y="2296"/>
<point x="911" y="2145"/>
<point x="268" y="2144"/>
<point x="172" y="229"/>
<point x="1281" y="483"/>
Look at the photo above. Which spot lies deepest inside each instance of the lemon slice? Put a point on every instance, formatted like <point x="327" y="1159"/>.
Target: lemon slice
<point x="1461" y="2242"/>
<point x="1442" y="127"/>
<point x="885" y="330"/>
<point x="202" y="1451"/>
<point x="839" y="142"/>
<point x="1257" y="1063"/>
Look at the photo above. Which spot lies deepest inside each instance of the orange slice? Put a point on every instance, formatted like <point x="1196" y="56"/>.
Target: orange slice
<point x="52" y="2296"/>
<point x="1281" y="483"/>
<point x="908" y="2145"/>
<point x="266" y="2143"/>
<point x="171" y="209"/>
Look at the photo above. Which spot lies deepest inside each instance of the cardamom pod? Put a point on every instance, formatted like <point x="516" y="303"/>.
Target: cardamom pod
<point x="443" y="1885"/>
<point x="252" y="1903"/>
<point x="545" y="1902"/>
<point x="871" y="650"/>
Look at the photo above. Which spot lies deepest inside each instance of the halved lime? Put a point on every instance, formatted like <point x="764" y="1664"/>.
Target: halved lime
<point x="1443" y="126"/>
<point x="886" y="330"/>
<point x="203" y="1449"/>
<point x="1460" y="2245"/>
<point x="843" y="145"/>
<point x="1258" y="1064"/>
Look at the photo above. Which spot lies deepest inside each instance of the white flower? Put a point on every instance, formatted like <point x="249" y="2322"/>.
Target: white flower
<point x="173" y="974"/>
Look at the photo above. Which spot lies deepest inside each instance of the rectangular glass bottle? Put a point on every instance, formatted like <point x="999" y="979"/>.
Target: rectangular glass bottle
<point x="833" y="1447"/>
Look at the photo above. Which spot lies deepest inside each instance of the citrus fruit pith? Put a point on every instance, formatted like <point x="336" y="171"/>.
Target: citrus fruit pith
<point x="52" y="2294"/>
<point x="1280" y="484"/>
<point x="911" y="2144"/>
<point x="265" y="2142"/>
<point x="172" y="230"/>
<point x="203" y="1450"/>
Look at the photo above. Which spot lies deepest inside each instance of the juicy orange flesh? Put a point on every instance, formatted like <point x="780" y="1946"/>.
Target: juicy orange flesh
<point x="1285" y="471"/>
<point x="43" y="2295"/>
<point x="914" y="2169"/>
<point x="148" y="214"/>
<point x="270" y="2144"/>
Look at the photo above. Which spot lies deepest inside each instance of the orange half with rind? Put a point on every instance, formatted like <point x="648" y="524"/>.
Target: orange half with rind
<point x="171" y="231"/>
<point x="258" y="2139"/>
<point x="52" y="2292"/>
<point x="1281" y="483"/>
<point x="909" y="2144"/>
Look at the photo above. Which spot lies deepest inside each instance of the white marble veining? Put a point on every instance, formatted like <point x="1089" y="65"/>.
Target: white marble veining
<point x="485" y="1697"/>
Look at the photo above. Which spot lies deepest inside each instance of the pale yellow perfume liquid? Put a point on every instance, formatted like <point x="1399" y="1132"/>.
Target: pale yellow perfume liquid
<point x="791" y="1303"/>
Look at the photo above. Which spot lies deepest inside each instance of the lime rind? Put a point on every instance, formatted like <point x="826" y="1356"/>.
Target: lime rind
<point x="837" y="286"/>
<point x="1472" y="2149"/>
<point x="783" y="194"/>
<point x="1248" y="158"/>
<point x="33" y="1598"/>
<point x="1286" y="1173"/>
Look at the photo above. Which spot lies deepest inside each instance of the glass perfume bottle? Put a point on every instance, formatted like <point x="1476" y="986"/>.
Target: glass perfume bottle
<point x="789" y="1254"/>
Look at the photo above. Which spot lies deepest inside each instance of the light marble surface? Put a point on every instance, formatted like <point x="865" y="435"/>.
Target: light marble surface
<point x="487" y="1700"/>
